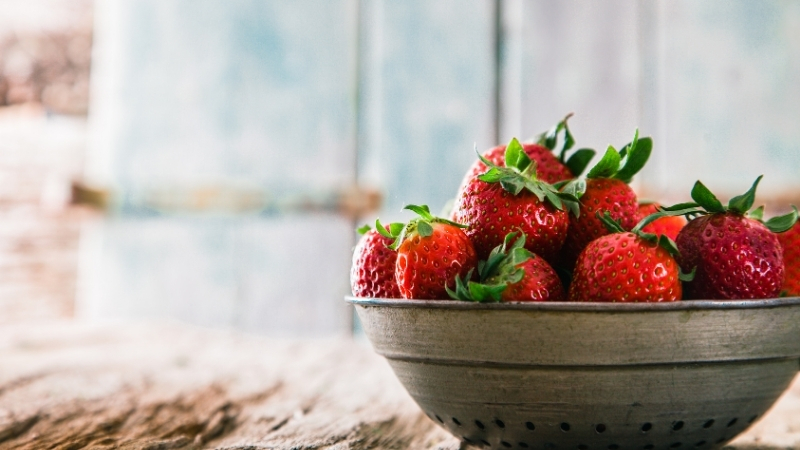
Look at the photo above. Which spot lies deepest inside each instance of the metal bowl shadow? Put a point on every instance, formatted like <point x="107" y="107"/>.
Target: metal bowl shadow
<point x="688" y="375"/>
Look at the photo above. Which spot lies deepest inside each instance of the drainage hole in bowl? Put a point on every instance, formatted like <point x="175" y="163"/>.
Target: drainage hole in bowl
<point x="677" y="425"/>
<point x="700" y="444"/>
<point x="752" y="419"/>
<point x="675" y="445"/>
<point x="479" y="424"/>
<point x="564" y="426"/>
<point x="456" y="421"/>
<point x="600" y="428"/>
<point x="649" y="447"/>
<point x="583" y="447"/>
<point x="613" y="447"/>
<point x="499" y="423"/>
<point x="439" y="418"/>
<point x="530" y="425"/>
<point x="505" y="444"/>
<point x="732" y="422"/>
<point x="467" y="440"/>
<point x="485" y="443"/>
<point x="523" y="444"/>
<point x="709" y="423"/>
<point x="647" y="426"/>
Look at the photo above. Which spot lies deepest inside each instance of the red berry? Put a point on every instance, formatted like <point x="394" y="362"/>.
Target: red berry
<point x="602" y="194"/>
<point x="372" y="272"/>
<point x="790" y="242"/>
<point x="426" y="264"/>
<point x="540" y="283"/>
<point x="735" y="258"/>
<point x="491" y="212"/>
<point x="623" y="267"/>
<point x="669" y="226"/>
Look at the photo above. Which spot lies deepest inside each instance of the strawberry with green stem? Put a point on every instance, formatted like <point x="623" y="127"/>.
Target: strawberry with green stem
<point x="431" y="253"/>
<point x="790" y="242"/>
<point x="735" y="255"/>
<point x="627" y="266"/>
<point x="552" y="163"/>
<point x="372" y="271"/>
<point x="511" y="273"/>
<point x="512" y="197"/>
<point x="668" y="225"/>
<point x="605" y="189"/>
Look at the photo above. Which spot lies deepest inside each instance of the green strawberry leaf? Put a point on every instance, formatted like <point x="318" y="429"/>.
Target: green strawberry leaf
<point x="363" y="229"/>
<point x="611" y="225"/>
<point x="575" y="188"/>
<point x="607" y="166"/>
<point x="636" y="158"/>
<point x="554" y="199"/>
<point x="515" y="156"/>
<point x="484" y="292"/>
<point x="550" y="137"/>
<point x="649" y="237"/>
<point x="782" y="223"/>
<point x="422" y="210"/>
<point x="743" y="203"/>
<point x="383" y="231"/>
<point x="706" y="199"/>
<point x="513" y="185"/>
<point x="579" y="160"/>
<point x="687" y="277"/>
<point x="424" y="228"/>
<point x="757" y="214"/>
<point x="669" y="245"/>
<point x="680" y="207"/>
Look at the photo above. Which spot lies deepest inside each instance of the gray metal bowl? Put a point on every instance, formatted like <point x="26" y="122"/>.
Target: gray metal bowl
<point x="684" y="375"/>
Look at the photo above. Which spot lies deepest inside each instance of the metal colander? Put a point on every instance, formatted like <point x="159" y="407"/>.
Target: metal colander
<point x="688" y="375"/>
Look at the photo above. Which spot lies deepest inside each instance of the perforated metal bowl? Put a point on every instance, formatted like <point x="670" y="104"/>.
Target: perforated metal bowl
<point x="688" y="375"/>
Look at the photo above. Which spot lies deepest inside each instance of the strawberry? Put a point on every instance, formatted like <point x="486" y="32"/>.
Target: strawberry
<point x="669" y="225"/>
<point x="372" y="272"/>
<point x="632" y="266"/>
<point x="549" y="167"/>
<point x="605" y="189"/>
<point x="790" y="242"/>
<point x="511" y="274"/>
<point x="734" y="256"/>
<point x="431" y="253"/>
<point x="510" y="198"/>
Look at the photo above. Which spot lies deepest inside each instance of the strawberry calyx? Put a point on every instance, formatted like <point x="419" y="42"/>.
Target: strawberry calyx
<point x="626" y="162"/>
<point x="496" y="273"/>
<point x="662" y="241"/>
<point x="520" y="173"/>
<point x="705" y="202"/>
<point x="579" y="160"/>
<point x="422" y="225"/>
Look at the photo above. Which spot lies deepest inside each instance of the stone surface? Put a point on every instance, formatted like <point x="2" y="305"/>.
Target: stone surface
<point x="68" y="385"/>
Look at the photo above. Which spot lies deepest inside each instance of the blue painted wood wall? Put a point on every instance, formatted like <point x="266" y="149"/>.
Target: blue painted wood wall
<point x="312" y="95"/>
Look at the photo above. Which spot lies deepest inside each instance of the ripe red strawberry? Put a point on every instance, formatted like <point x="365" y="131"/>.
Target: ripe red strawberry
<point x="511" y="274"/>
<point x="627" y="267"/>
<point x="510" y="198"/>
<point x="669" y="225"/>
<point x="790" y="242"/>
<point x="734" y="256"/>
<point x="372" y="272"/>
<point x="549" y="167"/>
<point x="606" y="189"/>
<point x="431" y="253"/>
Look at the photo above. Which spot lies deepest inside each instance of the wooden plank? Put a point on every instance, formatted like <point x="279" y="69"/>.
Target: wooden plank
<point x="157" y="386"/>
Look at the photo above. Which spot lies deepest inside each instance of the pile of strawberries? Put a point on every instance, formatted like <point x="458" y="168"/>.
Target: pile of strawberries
<point x="525" y="226"/>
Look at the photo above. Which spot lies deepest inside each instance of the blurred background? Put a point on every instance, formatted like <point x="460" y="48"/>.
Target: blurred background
<point x="208" y="160"/>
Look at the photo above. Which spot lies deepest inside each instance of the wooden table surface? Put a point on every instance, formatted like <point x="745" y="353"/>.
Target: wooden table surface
<point x="69" y="385"/>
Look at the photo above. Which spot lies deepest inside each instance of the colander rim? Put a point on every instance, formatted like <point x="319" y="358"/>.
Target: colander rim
<point x="684" y="305"/>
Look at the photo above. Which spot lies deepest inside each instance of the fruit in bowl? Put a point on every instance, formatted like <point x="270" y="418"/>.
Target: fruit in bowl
<point x="481" y="337"/>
